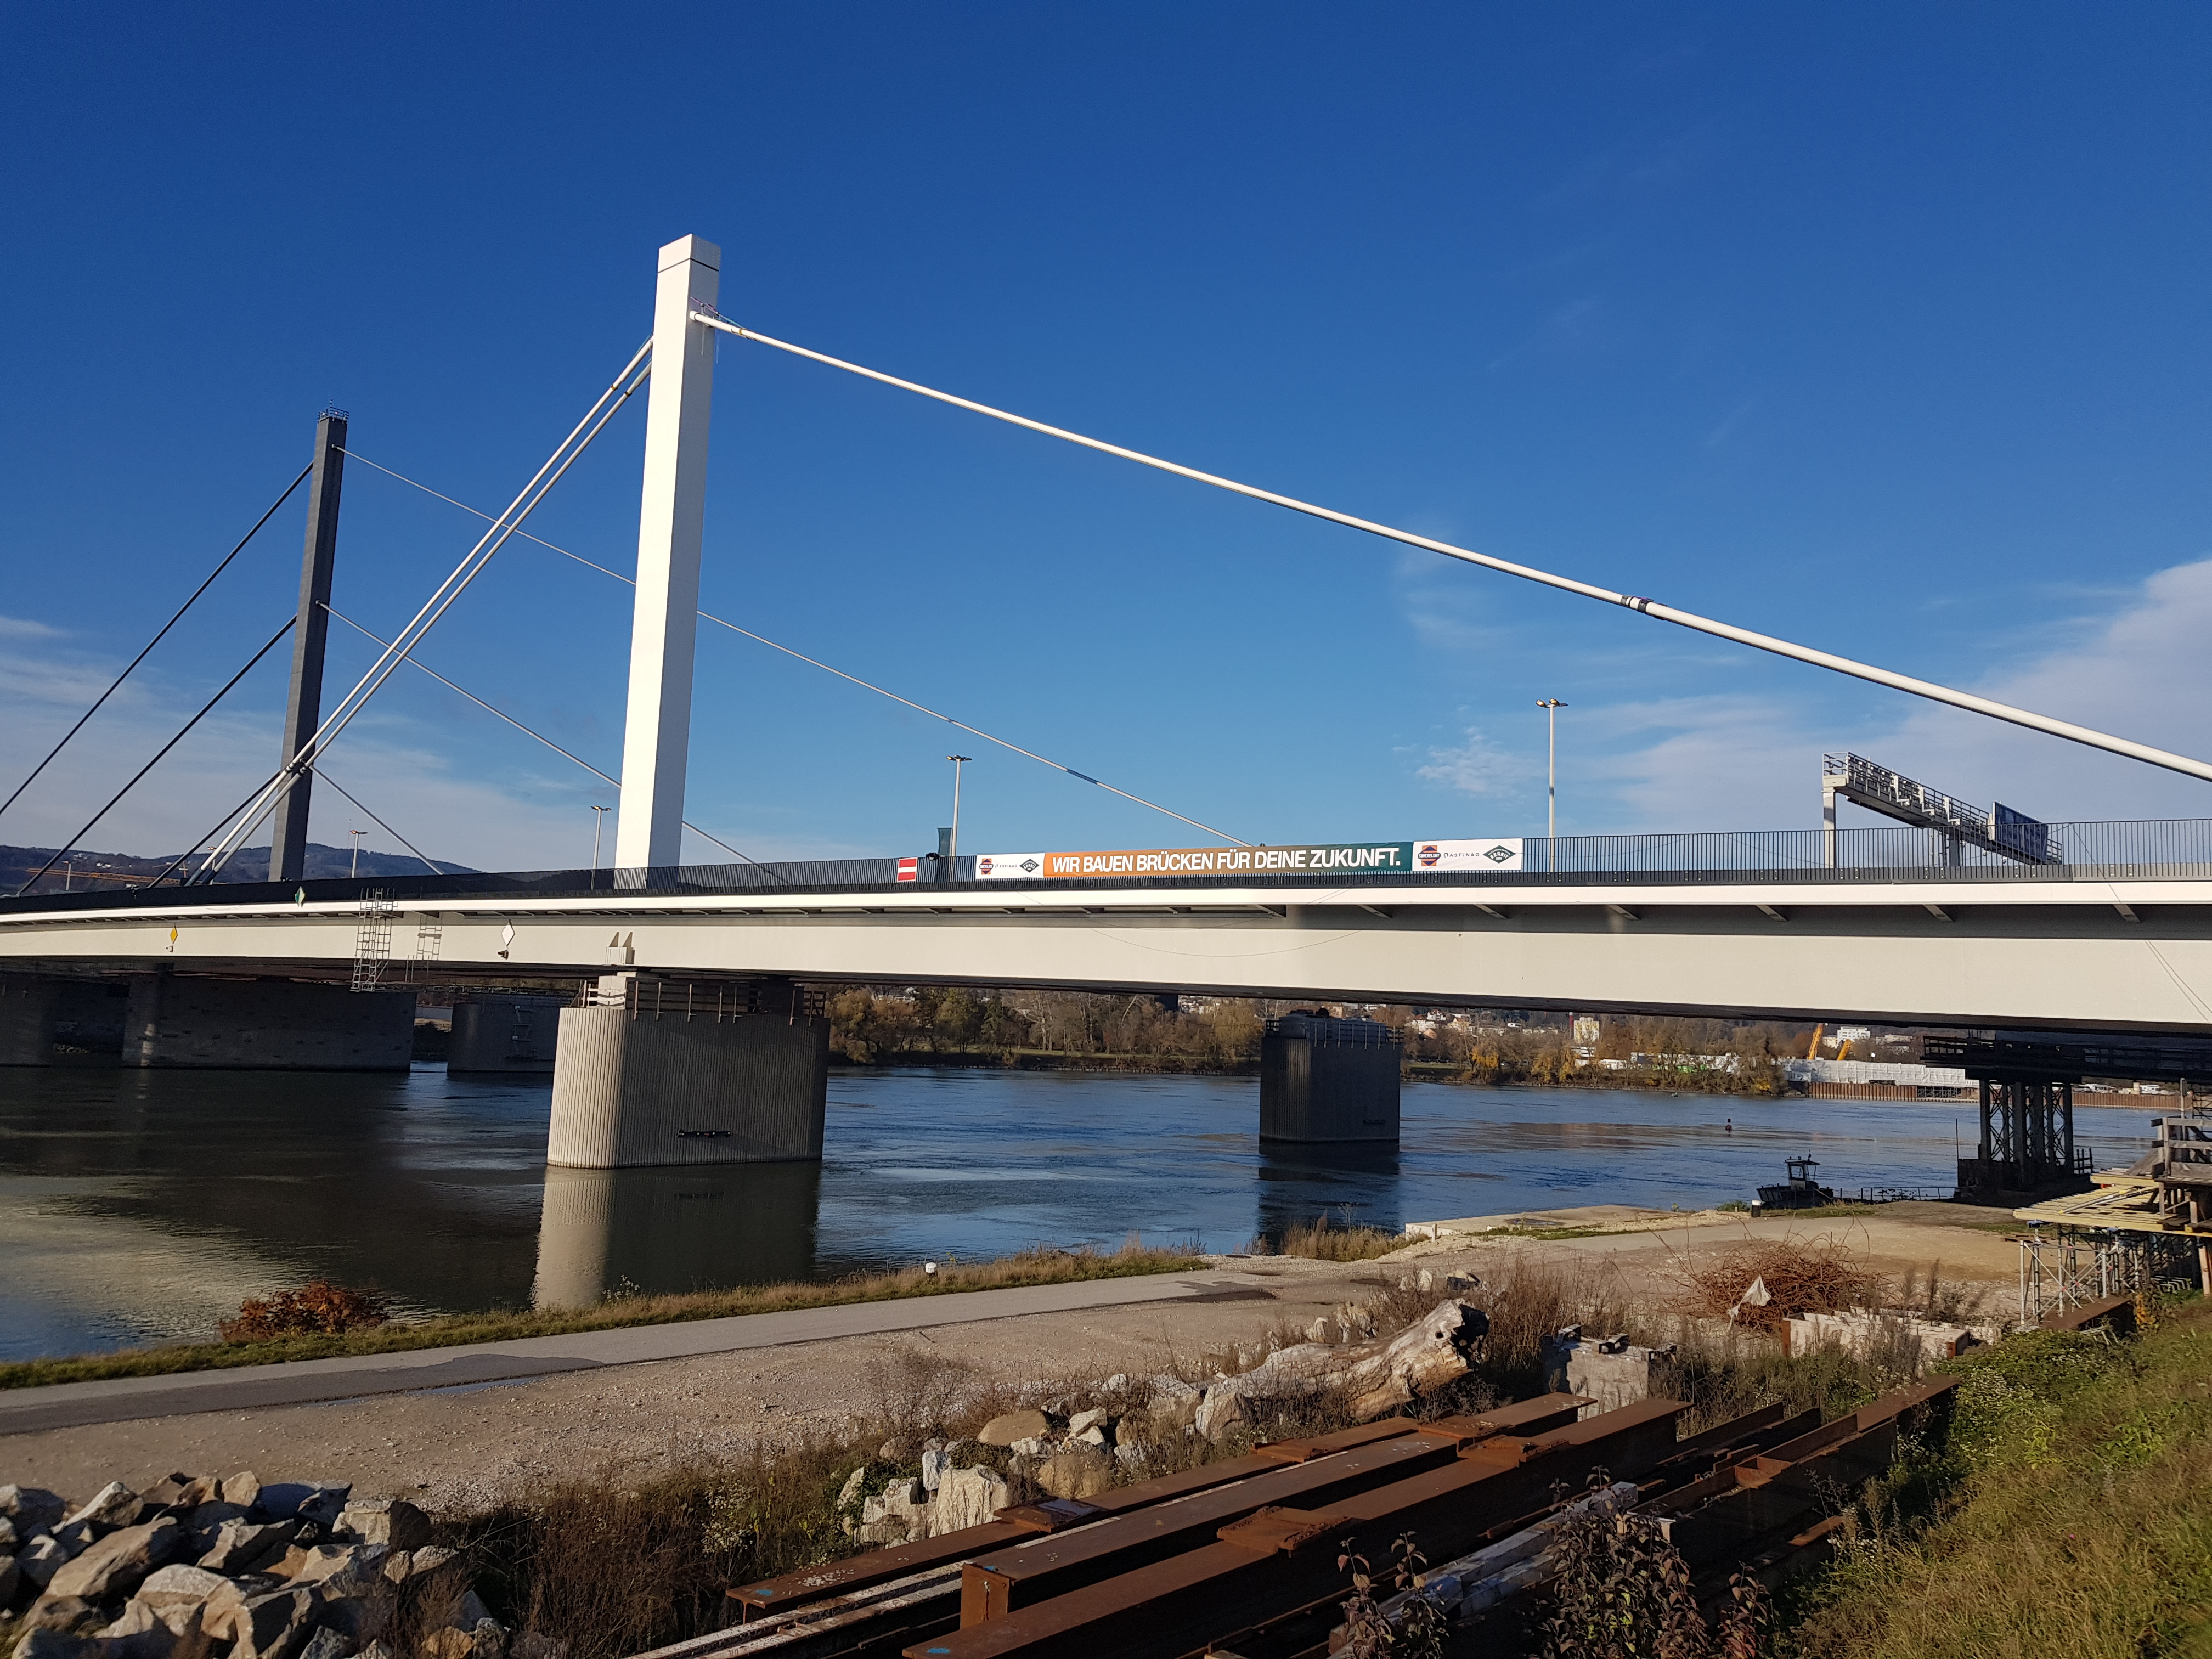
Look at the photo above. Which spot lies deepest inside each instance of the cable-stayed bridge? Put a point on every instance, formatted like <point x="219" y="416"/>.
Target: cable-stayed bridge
<point x="694" y="1041"/>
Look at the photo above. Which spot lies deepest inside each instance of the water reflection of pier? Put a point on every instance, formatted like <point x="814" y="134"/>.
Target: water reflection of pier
<point x="620" y="1232"/>
<point x="1353" y="1183"/>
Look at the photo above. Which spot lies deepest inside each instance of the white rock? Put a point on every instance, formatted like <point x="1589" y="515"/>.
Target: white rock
<point x="41" y="1559"/>
<point x="1093" y="1435"/>
<point x="967" y="1498"/>
<point x="1085" y="1420"/>
<point x="934" y="1467"/>
<point x="113" y="1505"/>
<point x="1117" y="1384"/>
<point x="1033" y="1446"/>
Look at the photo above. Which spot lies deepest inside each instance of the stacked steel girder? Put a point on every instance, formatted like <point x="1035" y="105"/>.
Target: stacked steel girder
<point x="1241" y="1555"/>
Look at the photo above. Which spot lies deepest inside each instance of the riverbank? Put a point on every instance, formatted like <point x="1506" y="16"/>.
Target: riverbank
<point x="500" y="1325"/>
<point x="476" y="1441"/>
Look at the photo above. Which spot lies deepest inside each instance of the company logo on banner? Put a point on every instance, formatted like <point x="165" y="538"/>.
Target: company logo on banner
<point x="1501" y="852"/>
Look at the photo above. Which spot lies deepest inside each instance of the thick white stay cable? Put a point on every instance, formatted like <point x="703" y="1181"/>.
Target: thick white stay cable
<point x="1906" y="683"/>
<point x="556" y="465"/>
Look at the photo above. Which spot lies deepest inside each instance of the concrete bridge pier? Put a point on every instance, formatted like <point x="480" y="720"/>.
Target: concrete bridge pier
<point x="44" y="1019"/>
<point x="266" y="1024"/>
<point x="505" y="1034"/>
<point x="611" y="1232"/>
<point x="658" y="1072"/>
<point x="1324" y="1079"/>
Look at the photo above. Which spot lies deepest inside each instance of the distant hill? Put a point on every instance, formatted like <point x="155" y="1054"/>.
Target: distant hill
<point x="110" y="872"/>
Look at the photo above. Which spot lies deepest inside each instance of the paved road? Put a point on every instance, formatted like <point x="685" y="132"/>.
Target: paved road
<point x="72" y="1405"/>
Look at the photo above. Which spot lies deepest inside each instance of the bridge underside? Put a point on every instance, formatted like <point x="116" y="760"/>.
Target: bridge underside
<point x="2105" y="955"/>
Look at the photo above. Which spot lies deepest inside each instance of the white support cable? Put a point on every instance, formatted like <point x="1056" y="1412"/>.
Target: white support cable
<point x="1780" y="647"/>
<point x="826" y="668"/>
<point x="610" y="401"/>
<point x="323" y="773"/>
<point x="416" y="662"/>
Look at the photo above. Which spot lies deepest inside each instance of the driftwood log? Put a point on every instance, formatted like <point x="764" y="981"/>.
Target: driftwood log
<point x="1380" y="1376"/>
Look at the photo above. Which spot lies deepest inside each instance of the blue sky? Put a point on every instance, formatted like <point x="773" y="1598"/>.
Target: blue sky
<point x="1880" y="327"/>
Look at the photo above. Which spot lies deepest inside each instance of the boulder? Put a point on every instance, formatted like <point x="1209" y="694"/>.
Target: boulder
<point x="170" y="1492"/>
<point x="137" y="1635"/>
<point x="206" y="1519"/>
<point x="1083" y="1422"/>
<point x="177" y="1592"/>
<point x="1095" y="1435"/>
<point x="898" y="1515"/>
<point x="72" y="1615"/>
<point x="1004" y="1429"/>
<point x="1075" y="1472"/>
<point x="328" y="1643"/>
<point x="1033" y="1446"/>
<point x="202" y="1488"/>
<point x="1377" y="1376"/>
<point x="56" y="1644"/>
<point x="248" y="1546"/>
<point x="41" y="1559"/>
<point x="118" y="1563"/>
<point x="113" y="1505"/>
<point x="11" y="1581"/>
<point x="272" y="1626"/>
<point x="377" y="1651"/>
<point x="8" y="1537"/>
<point x="243" y="1489"/>
<point x="1174" y="1403"/>
<point x="934" y="1465"/>
<point x="392" y="1521"/>
<point x="75" y="1535"/>
<point x="33" y="1508"/>
<point x="967" y="1498"/>
<point x="319" y="1501"/>
<point x="361" y="1619"/>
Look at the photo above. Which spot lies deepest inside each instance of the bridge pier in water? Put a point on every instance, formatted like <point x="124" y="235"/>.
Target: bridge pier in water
<point x="43" y="1017"/>
<point x="655" y="1071"/>
<point x="505" y="1034"/>
<point x="1324" y="1079"/>
<point x="266" y="1024"/>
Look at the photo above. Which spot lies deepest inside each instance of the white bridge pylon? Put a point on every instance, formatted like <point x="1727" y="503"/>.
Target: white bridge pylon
<point x="671" y="517"/>
<point x="671" y="514"/>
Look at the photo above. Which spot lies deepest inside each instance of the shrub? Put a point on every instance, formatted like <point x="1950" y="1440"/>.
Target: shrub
<point x="320" y="1309"/>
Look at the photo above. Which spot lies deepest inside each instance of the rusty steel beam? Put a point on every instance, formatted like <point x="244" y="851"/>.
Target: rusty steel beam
<point x="993" y="1584"/>
<point x="1282" y="1558"/>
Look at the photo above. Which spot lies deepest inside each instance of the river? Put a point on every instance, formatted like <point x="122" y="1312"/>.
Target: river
<point x="143" y="1205"/>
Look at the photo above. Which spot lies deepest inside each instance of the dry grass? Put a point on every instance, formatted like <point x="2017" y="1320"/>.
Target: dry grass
<point x="1323" y="1240"/>
<point x="1038" y="1267"/>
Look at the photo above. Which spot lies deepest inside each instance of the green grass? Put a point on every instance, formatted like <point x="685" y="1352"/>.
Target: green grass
<point x="2070" y="1512"/>
<point x="505" y="1325"/>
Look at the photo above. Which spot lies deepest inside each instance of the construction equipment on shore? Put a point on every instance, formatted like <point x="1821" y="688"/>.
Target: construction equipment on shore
<point x="1240" y="1556"/>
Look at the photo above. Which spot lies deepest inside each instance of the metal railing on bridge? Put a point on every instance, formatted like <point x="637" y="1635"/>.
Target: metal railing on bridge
<point x="2172" y="849"/>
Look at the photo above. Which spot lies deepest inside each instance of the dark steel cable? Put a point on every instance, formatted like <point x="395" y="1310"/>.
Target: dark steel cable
<point x="165" y="749"/>
<point x="156" y="639"/>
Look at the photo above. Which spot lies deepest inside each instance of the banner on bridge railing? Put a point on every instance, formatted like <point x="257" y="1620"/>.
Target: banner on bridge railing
<point x="1329" y="860"/>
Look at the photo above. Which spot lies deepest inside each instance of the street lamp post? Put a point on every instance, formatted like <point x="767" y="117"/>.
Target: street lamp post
<point x="1551" y="706"/>
<point x="598" y="823"/>
<point x="953" y="850"/>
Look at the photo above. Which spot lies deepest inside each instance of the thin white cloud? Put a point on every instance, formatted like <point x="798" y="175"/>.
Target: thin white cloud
<point x="23" y="628"/>
<point x="1477" y="765"/>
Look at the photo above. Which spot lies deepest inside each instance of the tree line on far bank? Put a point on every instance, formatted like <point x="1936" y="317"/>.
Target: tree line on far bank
<point x="925" y="1025"/>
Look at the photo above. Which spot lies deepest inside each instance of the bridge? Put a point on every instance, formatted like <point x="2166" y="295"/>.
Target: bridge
<point x="692" y="1038"/>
